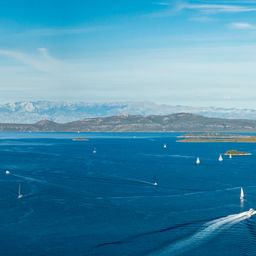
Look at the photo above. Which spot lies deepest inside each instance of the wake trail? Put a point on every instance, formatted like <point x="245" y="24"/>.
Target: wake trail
<point x="111" y="179"/>
<point x="209" y="230"/>
<point x="30" y="179"/>
<point x="173" y="195"/>
<point x="137" y="236"/>
<point x="168" y="155"/>
<point x="133" y="180"/>
<point x="52" y="185"/>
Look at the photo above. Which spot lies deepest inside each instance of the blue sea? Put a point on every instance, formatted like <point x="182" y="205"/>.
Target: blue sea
<point x="131" y="197"/>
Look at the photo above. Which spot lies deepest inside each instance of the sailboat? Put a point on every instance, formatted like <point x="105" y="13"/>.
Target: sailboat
<point x="230" y="156"/>
<point x="198" y="161"/>
<point x="94" y="151"/>
<point x="220" y="158"/>
<point x="242" y="195"/>
<point x="19" y="193"/>
<point x="165" y="146"/>
<point x="7" y="172"/>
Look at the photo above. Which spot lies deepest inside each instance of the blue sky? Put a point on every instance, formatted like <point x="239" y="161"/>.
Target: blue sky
<point x="197" y="52"/>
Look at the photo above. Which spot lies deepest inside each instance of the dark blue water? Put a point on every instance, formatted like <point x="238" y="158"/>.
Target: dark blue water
<point x="79" y="203"/>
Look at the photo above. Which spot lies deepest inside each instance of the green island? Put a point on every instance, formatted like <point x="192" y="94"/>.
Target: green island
<point x="234" y="152"/>
<point x="217" y="138"/>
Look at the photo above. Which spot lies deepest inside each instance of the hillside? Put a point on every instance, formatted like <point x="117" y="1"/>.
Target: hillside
<point x="138" y="123"/>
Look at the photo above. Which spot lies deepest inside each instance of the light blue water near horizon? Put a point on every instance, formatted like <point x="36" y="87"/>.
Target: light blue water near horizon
<point x="79" y="203"/>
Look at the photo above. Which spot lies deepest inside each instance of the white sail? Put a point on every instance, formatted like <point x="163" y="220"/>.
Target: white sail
<point x="198" y="161"/>
<point x="242" y="194"/>
<point x="220" y="158"/>
<point x="165" y="146"/>
<point x="19" y="193"/>
<point x="230" y="156"/>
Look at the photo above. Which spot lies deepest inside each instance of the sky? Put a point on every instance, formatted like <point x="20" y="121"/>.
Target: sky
<point x="187" y="52"/>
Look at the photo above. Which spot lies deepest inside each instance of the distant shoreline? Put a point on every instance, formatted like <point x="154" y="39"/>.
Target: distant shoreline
<point x="220" y="137"/>
<point x="130" y="131"/>
<point x="174" y="123"/>
<point x="215" y="141"/>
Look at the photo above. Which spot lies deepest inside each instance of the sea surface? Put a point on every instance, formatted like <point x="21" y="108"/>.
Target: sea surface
<point x="131" y="197"/>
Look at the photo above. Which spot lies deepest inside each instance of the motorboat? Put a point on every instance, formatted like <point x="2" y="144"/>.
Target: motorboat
<point x="251" y="212"/>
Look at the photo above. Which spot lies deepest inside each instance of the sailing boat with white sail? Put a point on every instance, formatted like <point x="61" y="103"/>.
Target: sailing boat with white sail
<point x="242" y="194"/>
<point x="198" y="160"/>
<point x="220" y="158"/>
<point x="19" y="193"/>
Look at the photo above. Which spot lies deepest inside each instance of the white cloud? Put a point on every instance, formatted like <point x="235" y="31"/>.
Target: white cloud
<point x="207" y="7"/>
<point x="242" y="26"/>
<point x="43" y="62"/>
<point x="174" y="74"/>
<point x="43" y="51"/>
<point x="62" y="31"/>
<point x="202" y="19"/>
<point x="218" y="8"/>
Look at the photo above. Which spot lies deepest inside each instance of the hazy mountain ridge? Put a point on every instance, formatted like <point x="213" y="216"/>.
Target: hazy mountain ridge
<point x="62" y="112"/>
<point x="138" y="123"/>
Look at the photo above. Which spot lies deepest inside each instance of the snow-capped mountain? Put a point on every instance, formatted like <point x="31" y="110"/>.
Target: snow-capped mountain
<point x="34" y="111"/>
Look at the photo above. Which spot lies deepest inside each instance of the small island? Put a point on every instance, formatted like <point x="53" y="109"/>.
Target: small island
<point x="208" y="137"/>
<point x="79" y="139"/>
<point x="234" y="152"/>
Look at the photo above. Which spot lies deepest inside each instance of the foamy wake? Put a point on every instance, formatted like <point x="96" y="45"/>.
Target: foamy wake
<point x="209" y="230"/>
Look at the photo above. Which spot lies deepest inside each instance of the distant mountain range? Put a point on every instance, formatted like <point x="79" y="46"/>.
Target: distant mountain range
<point x="138" y="123"/>
<point x="33" y="111"/>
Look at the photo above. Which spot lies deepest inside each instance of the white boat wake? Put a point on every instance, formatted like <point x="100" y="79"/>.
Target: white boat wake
<point x="172" y="195"/>
<point x="209" y="230"/>
<point x="30" y="179"/>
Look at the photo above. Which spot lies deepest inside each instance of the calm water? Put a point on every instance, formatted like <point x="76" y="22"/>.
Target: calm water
<point x="79" y="203"/>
